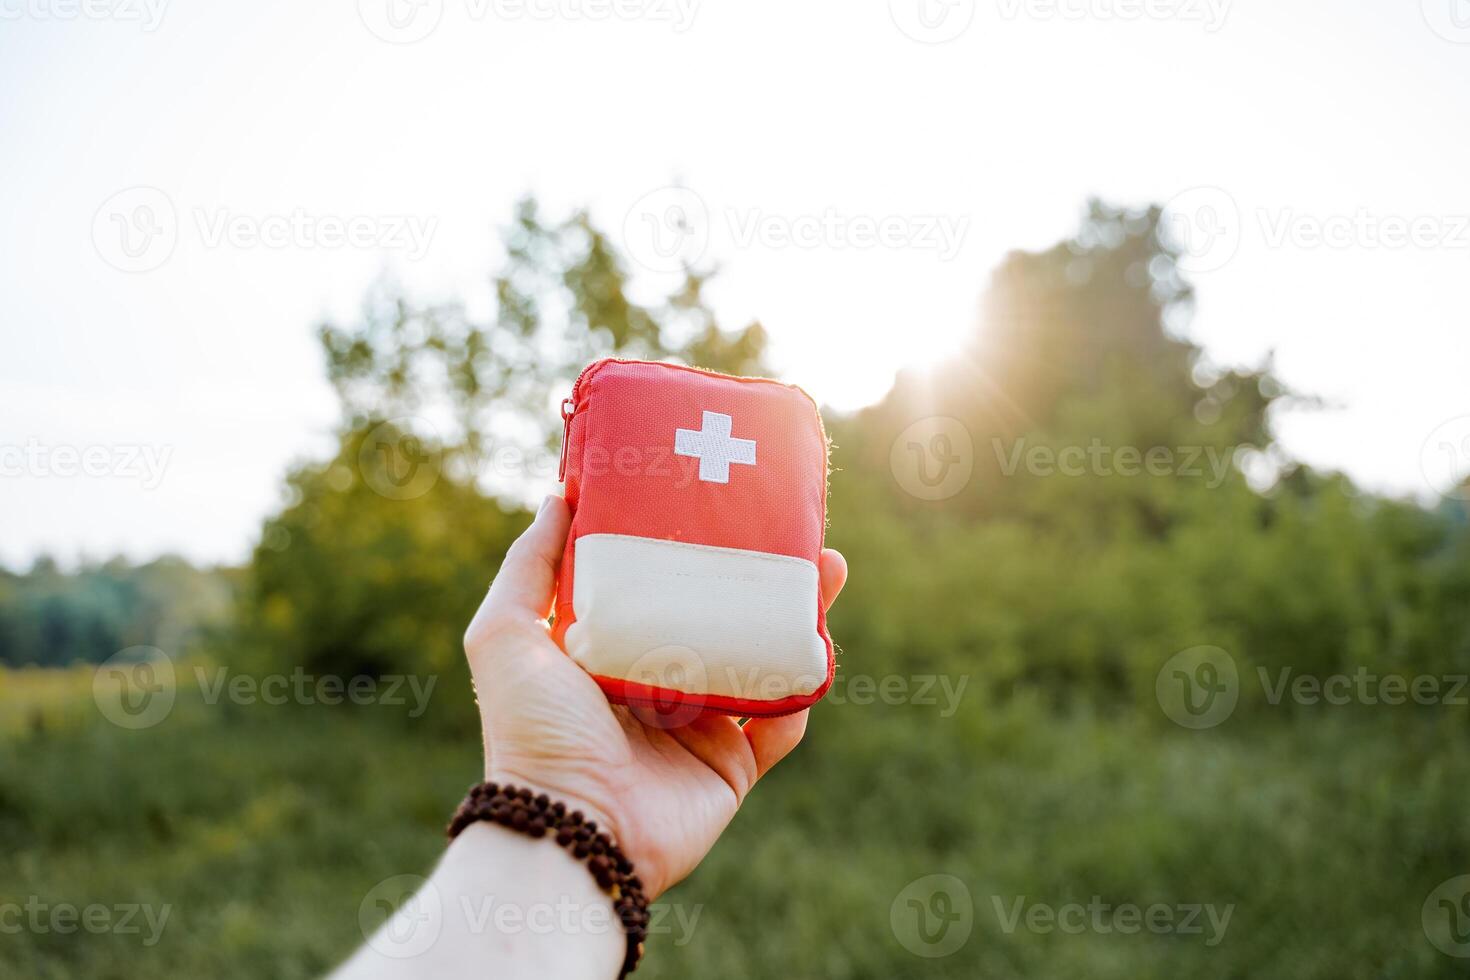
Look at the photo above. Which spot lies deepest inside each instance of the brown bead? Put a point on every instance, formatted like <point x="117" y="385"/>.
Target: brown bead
<point x="575" y="818"/>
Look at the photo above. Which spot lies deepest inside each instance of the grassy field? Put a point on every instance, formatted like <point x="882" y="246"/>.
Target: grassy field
<point x="262" y="828"/>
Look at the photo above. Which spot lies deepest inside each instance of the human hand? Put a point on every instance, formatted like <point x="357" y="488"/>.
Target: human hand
<point x="663" y="793"/>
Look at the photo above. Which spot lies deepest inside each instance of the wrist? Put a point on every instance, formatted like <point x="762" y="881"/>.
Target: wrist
<point x="524" y="811"/>
<point x="537" y="902"/>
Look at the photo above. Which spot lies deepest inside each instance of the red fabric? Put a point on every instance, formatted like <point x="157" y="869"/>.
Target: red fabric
<point x="623" y="477"/>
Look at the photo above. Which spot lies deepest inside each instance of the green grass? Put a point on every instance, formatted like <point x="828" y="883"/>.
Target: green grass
<point x="263" y="828"/>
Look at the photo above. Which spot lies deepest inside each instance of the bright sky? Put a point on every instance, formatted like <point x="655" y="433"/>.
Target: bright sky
<point x="857" y="169"/>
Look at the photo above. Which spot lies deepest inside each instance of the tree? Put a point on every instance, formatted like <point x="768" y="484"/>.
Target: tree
<point x="381" y="553"/>
<point x="1080" y="583"/>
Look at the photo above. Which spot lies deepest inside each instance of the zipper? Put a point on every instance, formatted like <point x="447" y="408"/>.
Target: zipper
<point x="570" y="405"/>
<point x="568" y="409"/>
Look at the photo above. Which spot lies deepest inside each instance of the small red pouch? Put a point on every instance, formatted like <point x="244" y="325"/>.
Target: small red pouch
<point x="698" y="512"/>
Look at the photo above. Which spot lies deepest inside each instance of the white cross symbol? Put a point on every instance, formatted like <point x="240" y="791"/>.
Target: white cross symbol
<point x="714" y="448"/>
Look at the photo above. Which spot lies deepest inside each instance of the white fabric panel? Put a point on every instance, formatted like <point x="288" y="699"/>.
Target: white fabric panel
<point x="696" y="618"/>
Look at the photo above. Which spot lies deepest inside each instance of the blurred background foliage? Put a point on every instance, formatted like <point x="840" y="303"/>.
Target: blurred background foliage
<point x="54" y="618"/>
<point x="1053" y="599"/>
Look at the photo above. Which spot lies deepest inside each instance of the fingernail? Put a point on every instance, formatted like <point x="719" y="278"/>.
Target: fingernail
<point x="544" y="502"/>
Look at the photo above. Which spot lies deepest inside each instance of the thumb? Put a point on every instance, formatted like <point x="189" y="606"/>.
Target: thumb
<point x="526" y="582"/>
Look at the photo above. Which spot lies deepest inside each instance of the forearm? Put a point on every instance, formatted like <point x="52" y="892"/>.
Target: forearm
<point x="499" y="904"/>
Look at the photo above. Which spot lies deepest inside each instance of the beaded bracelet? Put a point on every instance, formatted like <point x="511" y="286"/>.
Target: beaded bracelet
<point x="538" y="815"/>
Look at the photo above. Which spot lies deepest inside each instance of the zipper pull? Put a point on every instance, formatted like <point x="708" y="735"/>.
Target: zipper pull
<point x="568" y="409"/>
